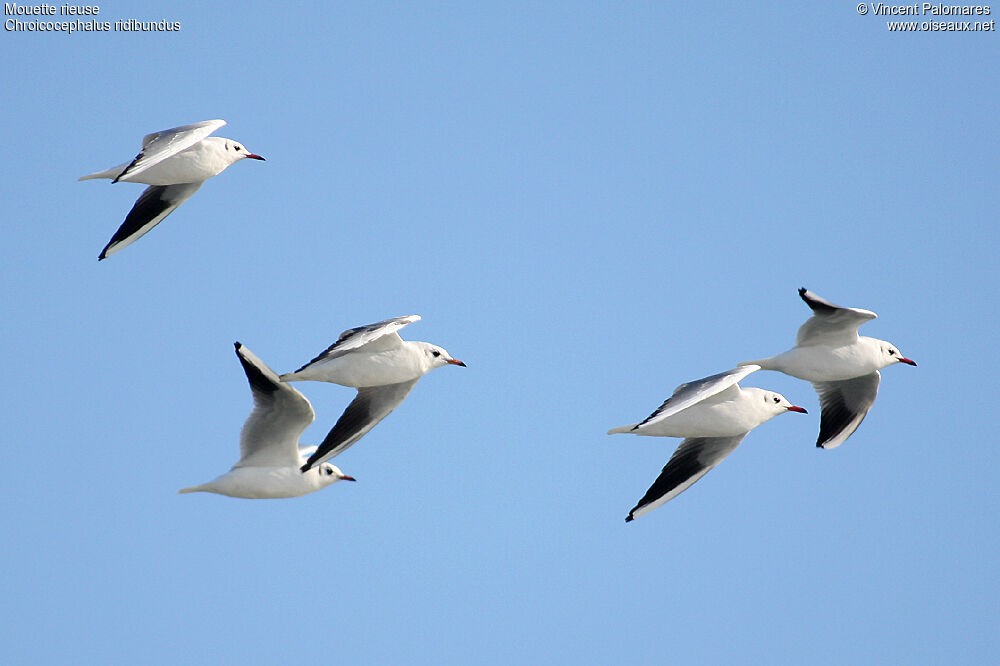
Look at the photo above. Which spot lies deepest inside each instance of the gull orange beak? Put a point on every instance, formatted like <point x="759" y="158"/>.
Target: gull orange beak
<point x="455" y="361"/>
<point x="907" y="361"/>
<point x="253" y="156"/>
<point x="793" y="408"/>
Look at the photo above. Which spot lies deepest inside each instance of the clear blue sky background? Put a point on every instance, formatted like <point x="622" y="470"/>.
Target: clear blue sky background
<point x="588" y="203"/>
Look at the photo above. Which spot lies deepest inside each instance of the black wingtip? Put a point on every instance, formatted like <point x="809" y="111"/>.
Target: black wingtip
<point x="629" y="518"/>
<point x="237" y="345"/>
<point x="258" y="379"/>
<point x="817" y="304"/>
<point x="305" y="468"/>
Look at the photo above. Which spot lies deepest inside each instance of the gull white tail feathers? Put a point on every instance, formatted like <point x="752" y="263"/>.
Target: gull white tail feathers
<point x="764" y="363"/>
<point x="110" y="174"/>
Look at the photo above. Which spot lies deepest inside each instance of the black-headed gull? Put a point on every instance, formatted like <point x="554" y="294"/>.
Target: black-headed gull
<point x="381" y="365"/>
<point x="842" y="366"/>
<point x="174" y="163"/>
<point x="270" y="455"/>
<point x="713" y="415"/>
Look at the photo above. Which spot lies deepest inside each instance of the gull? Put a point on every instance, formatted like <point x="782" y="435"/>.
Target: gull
<point x="270" y="455"/>
<point x="713" y="415"/>
<point x="842" y="366"/>
<point x="174" y="163"/>
<point x="381" y="365"/>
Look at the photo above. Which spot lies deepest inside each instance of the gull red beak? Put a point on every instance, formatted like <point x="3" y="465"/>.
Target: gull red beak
<point x="793" y="408"/>
<point x="347" y="478"/>
<point x="254" y="156"/>
<point x="455" y="361"/>
<point x="907" y="361"/>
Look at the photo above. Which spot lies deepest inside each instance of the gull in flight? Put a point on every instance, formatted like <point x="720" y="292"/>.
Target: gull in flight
<point x="842" y="366"/>
<point x="713" y="415"/>
<point x="174" y="163"/>
<point x="270" y="455"/>
<point x="381" y="365"/>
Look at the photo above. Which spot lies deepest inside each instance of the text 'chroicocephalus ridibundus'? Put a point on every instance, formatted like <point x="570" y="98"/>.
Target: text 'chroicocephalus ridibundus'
<point x="381" y="365"/>
<point x="713" y="415"/>
<point x="842" y="366"/>
<point x="270" y="455"/>
<point x="174" y="163"/>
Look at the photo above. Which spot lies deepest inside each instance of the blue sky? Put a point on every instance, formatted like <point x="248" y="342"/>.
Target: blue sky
<point x="588" y="203"/>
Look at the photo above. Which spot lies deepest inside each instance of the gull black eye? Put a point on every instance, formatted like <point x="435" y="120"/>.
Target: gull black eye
<point x="777" y="399"/>
<point x="435" y="353"/>
<point x="892" y="352"/>
<point x="237" y="148"/>
<point x="329" y="471"/>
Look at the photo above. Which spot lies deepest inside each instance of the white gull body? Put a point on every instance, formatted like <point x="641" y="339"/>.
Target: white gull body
<point x="270" y="455"/>
<point x="713" y="415"/>
<point x="174" y="163"/>
<point x="842" y="366"/>
<point x="381" y="365"/>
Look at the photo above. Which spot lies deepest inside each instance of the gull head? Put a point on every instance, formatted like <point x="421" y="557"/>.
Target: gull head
<point x="775" y="403"/>
<point x="330" y="474"/>
<point x="435" y="357"/>
<point x="237" y="151"/>
<point x="889" y="355"/>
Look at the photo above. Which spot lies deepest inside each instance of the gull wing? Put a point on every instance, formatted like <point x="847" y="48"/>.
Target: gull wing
<point x="371" y="405"/>
<point x="830" y="324"/>
<point x="844" y="404"/>
<point x="380" y="336"/>
<point x="692" y="460"/>
<point x="158" y="146"/>
<point x="692" y="393"/>
<point x="270" y="436"/>
<point x="151" y="208"/>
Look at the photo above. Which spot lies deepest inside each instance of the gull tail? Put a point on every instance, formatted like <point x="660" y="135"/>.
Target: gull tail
<point x="302" y="374"/>
<point x="628" y="428"/>
<point x="111" y="173"/>
<point x="194" y="489"/>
